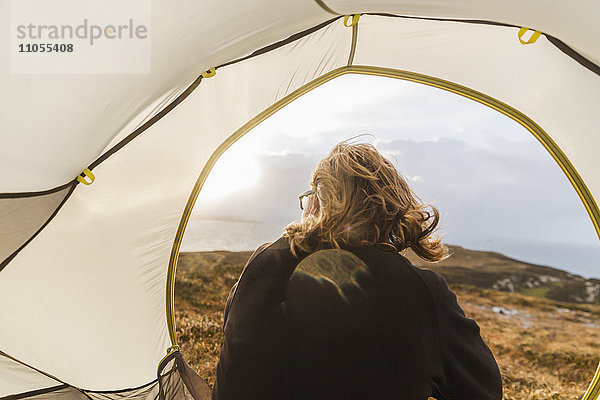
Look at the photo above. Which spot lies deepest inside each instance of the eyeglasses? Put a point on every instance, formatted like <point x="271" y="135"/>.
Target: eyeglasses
<point x="304" y="197"/>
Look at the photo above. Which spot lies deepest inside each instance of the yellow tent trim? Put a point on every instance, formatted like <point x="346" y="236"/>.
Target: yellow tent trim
<point x="354" y="40"/>
<point x="546" y="141"/>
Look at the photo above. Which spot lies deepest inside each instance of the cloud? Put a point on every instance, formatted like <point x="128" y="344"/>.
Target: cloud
<point x="274" y="198"/>
<point x="514" y="191"/>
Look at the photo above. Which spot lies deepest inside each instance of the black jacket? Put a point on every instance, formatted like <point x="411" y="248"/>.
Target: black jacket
<point x="355" y="323"/>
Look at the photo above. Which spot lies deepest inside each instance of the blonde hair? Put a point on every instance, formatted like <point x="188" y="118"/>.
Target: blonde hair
<point x="363" y="200"/>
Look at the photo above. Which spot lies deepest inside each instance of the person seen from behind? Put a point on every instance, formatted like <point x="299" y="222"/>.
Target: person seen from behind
<point x="333" y="310"/>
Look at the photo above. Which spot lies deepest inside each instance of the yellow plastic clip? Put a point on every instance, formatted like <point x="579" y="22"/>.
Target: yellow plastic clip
<point x="170" y="351"/>
<point x="532" y="39"/>
<point x="209" y="73"/>
<point x="173" y="349"/>
<point x="87" y="173"/>
<point x="355" y="18"/>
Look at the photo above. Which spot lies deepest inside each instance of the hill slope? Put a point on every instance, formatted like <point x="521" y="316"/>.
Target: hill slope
<point x="496" y="271"/>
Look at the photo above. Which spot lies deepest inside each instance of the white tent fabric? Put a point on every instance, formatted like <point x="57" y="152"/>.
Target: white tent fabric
<point x="575" y="23"/>
<point x="188" y="37"/>
<point x="86" y="299"/>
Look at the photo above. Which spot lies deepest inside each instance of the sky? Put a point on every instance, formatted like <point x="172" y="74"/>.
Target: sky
<point x="494" y="184"/>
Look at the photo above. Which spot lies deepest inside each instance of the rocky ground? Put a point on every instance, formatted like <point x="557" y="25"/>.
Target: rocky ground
<point x="541" y="323"/>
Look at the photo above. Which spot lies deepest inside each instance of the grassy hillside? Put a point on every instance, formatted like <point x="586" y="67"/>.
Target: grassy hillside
<point x="496" y="271"/>
<point x="546" y="348"/>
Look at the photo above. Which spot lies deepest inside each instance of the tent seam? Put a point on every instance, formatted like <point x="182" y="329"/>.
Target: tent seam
<point x="326" y="7"/>
<point x="8" y="259"/>
<point x="14" y="195"/>
<point x="281" y="43"/>
<point x="147" y="124"/>
<point x="66" y="384"/>
<point x="122" y="390"/>
<point x="31" y="393"/>
<point x="562" y="46"/>
<point x="3" y="354"/>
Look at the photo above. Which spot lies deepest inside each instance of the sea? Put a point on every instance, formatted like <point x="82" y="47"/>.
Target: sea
<point x="576" y="258"/>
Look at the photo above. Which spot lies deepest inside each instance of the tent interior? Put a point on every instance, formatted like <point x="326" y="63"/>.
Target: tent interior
<point x="87" y="277"/>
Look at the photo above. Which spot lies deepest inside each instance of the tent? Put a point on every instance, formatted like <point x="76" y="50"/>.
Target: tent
<point x="99" y="172"/>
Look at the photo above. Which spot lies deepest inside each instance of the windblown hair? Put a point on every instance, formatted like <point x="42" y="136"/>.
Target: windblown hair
<point x="363" y="200"/>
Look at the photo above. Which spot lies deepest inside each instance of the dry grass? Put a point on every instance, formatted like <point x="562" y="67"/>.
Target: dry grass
<point x="545" y="349"/>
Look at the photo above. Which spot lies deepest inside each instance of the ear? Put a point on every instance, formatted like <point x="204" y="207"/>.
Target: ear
<point x="315" y="204"/>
